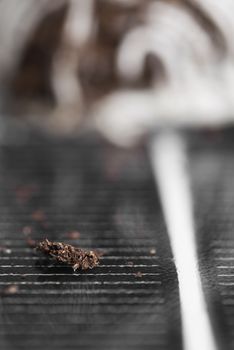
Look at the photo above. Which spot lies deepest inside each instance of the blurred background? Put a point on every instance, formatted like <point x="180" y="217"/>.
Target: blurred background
<point x="116" y="120"/>
<point x="119" y="67"/>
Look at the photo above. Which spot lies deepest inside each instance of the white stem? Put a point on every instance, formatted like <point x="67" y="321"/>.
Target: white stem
<point x="168" y="157"/>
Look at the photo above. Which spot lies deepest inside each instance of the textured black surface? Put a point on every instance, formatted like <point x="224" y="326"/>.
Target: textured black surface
<point x="212" y="172"/>
<point x="109" y="197"/>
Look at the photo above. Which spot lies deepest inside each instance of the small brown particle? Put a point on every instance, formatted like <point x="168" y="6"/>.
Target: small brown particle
<point x="138" y="274"/>
<point x="73" y="235"/>
<point x="153" y="251"/>
<point x="5" y="250"/>
<point x="31" y="242"/>
<point x="25" y="192"/>
<point x="27" y="230"/>
<point x="38" y="215"/>
<point x="11" y="289"/>
<point x="130" y="263"/>
<point x="67" y="254"/>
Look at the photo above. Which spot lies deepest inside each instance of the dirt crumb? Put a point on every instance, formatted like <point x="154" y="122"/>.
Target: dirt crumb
<point x="9" y="290"/>
<point x="138" y="274"/>
<point x="39" y="215"/>
<point x="152" y="251"/>
<point x="65" y="253"/>
<point x="27" y="230"/>
<point x="73" y="235"/>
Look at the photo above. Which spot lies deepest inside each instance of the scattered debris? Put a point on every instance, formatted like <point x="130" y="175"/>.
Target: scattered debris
<point x="11" y="289"/>
<point x="25" y="192"/>
<point x="73" y="235"/>
<point x="38" y="215"/>
<point x="67" y="254"/>
<point x="27" y="230"/>
<point x="130" y="263"/>
<point x="138" y="274"/>
<point x="152" y="251"/>
<point x="5" y="250"/>
<point x="31" y="242"/>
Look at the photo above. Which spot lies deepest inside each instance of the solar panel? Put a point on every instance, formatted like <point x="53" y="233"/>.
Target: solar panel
<point x="53" y="188"/>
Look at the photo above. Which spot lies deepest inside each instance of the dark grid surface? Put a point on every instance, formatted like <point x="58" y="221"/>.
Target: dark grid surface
<point x="131" y="300"/>
<point x="212" y="172"/>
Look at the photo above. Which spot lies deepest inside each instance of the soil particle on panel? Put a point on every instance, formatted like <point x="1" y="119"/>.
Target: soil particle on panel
<point x="65" y="253"/>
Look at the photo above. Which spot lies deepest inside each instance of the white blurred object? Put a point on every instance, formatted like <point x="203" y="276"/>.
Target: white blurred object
<point x="197" y="88"/>
<point x="77" y="31"/>
<point x="18" y="19"/>
<point x="199" y="85"/>
<point x="169" y="162"/>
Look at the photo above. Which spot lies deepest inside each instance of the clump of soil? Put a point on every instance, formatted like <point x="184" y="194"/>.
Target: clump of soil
<point x="65" y="253"/>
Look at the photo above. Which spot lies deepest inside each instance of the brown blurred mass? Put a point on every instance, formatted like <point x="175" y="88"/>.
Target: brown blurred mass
<point x="62" y="74"/>
<point x="31" y="85"/>
<point x="32" y="78"/>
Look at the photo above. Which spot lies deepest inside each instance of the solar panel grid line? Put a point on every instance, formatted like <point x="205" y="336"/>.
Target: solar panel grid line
<point x="83" y="346"/>
<point x="85" y="283"/>
<point x="74" y="292"/>
<point x="109" y="257"/>
<point x="74" y="312"/>
<point x="108" y="250"/>
<point x="82" y="274"/>
<point x="225" y="251"/>
<point x="156" y="333"/>
<point x="70" y="321"/>
<point x="225" y="267"/>
<point x="62" y="343"/>
<point x="230" y="275"/>
<point x="131" y="267"/>
<point x="99" y="301"/>
<point x="87" y="239"/>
